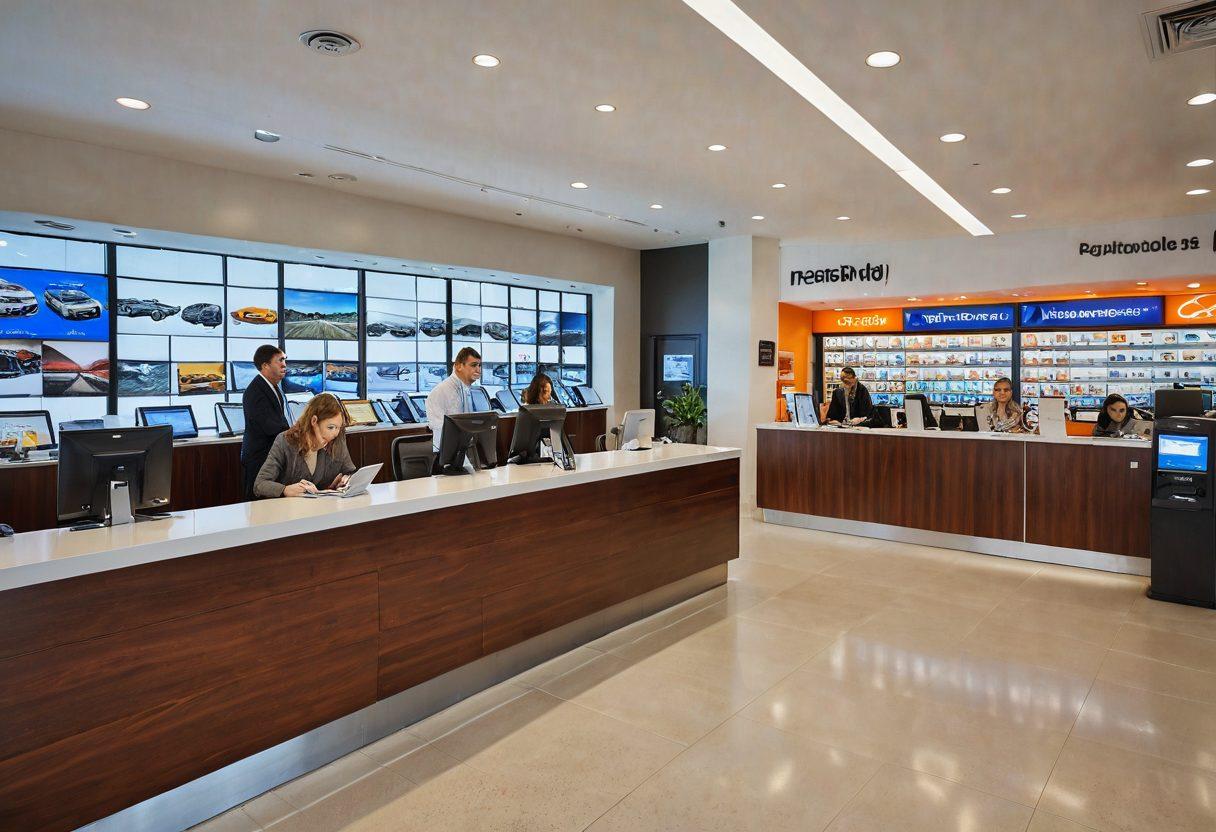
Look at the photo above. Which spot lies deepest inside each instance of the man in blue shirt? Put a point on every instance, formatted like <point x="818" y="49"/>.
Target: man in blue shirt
<point x="453" y="394"/>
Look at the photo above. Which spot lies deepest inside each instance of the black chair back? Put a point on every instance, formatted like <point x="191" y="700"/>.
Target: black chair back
<point x="412" y="457"/>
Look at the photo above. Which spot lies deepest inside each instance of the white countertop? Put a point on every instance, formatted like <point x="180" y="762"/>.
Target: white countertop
<point x="210" y="438"/>
<point x="963" y="434"/>
<point x="53" y="554"/>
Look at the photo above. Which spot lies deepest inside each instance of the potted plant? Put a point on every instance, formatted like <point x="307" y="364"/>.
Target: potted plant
<point x="685" y="416"/>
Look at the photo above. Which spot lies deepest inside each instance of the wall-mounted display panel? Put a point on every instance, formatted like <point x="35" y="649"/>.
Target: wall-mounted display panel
<point x="35" y="303"/>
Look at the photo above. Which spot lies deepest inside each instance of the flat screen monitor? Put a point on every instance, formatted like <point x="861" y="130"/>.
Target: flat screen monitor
<point x="638" y="425"/>
<point x="230" y="418"/>
<point x="588" y="395"/>
<point x="360" y="412"/>
<point x="481" y="399"/>
<point x="90" y="460"/>
<point x="540" y="427"/>
<point x="418" y="400"/>
<point x="563" y="396"/>
<point x="928" y="420"/>
<point x="404" y="410"/>
<point x="295" y="410"/>
<point x="507" y="398"/>
<point x="29" y="429"/>
<point x="180" y="417"/>
<point x="1179" y="452"/>
<point x="471" y="436"/>
<point x="804" y="411"/>
<point x="384" y="413"/>
<point x="1181" y="402"/>
<point x="82" y="424"/>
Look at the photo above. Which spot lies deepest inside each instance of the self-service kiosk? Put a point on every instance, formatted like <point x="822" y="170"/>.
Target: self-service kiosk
<point x="1183" y="526"/>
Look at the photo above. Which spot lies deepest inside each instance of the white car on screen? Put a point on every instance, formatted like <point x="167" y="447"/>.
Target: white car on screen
<point x="71" y="302"/>
<point x="16" y="300"/>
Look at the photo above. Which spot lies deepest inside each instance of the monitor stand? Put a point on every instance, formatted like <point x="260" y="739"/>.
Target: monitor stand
<point x="561" y="455"/>
<point x="120" y="511"/>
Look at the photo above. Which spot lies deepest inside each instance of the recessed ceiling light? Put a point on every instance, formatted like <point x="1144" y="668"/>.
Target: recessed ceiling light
<point x="913" y="298"/>
<point x="716" y="148"/>
<point x="1199" y="163"/>
<point x="605" y="108"/>
<point x="1141" y="282"/>
<point x="133" y="103"/>
<point x="580" y="185"/>
<point x="656" y="206"/>
<point x="1198" y="191"/>
<point x="58" y="226"/>
<point x="882" y="60"/>
<point x="757" y="216"/>
<point x="266" y="136"/>
<point x="344" y="177"/>
<point x="486" y="61"/>
<point x="839" y="309"/>
<point x="123" y="232"/>
<point x="1001" y="190"/>
<point x="305" y="175"/>
<point x="318" y="256"/>
<point x="1202" y="98"/>
<point x="843" y="218"/>
<point x="1017" y="216"/>
<point x="777" y="185"/>
<point x="1192" y="285"/>
<point x="951" y="138"/>
<point x="962" y="297"/>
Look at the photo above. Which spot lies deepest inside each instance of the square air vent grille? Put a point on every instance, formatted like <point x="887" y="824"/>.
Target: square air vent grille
<point x="1181" y="28"/>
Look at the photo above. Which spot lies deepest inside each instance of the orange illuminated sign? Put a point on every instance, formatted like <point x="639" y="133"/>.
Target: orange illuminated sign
<point x="858" y="320"/>
<point x="1190" y="310"/>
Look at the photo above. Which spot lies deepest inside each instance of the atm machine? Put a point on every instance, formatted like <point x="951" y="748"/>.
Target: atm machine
<point x="1183" y="525"/>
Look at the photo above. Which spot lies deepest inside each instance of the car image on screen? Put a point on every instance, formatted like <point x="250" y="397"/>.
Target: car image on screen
<point x="254" y="315"/>
<point x="154" y="309"/>
<point x="203" y="314"/>
<point x="71" y="302"/>
<point x="15" y="299"/>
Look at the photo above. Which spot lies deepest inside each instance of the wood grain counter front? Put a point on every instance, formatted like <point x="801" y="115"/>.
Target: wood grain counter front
<point x="1077" y="494"/>
<point x="121" y="684"/>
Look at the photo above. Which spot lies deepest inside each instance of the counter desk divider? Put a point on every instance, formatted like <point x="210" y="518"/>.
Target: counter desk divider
<point x="1078" y="501"/>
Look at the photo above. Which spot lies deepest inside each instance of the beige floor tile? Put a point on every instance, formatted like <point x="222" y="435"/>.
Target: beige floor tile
<point x="1120" y="791"/>
<point x="652" y="624"/>
<point x="1163" y="645"/>
<point x="1150" y="723"/>
<point x="1087" y="587"/>
<point x="424" y="764"/>
<point x="917" y="621"/>
<point x="572" y="748"/>
<point x="393" y="747"/>
<point x="1148" y="674"/>
<point x="895" y="571"/>
<point x="832" y="617"/>
<point x="673" y="705"/>
<point x="763" y="575"/>
<point x="1035" y="697"/>
<point x="1091" y="624"/>
<point x="317" y="785"/>
<point x="268" y="809"/>
<point x="1013" y="644"/>
<point x="555" y="667"/>
<point x="234" y="820"/>
<point x="674" y="633"/>
<point x="449" y="719"/>
<point x="744" y="776"/>
<point x="1043" y="822"/>
<point x="369" y="804"/>
<point x="1177" y="618"/>
<point x="897" y="798"/>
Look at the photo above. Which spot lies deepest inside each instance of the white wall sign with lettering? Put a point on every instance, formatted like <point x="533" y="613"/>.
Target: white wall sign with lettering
<point x="1138" y="250"/>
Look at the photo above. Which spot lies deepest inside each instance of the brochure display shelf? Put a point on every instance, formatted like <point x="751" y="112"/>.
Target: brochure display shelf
<point x="1085" y="367"/>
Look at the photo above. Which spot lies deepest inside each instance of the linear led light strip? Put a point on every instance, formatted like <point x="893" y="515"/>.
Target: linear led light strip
<point x="733" y="22"/>
<point x="384" y="160"/>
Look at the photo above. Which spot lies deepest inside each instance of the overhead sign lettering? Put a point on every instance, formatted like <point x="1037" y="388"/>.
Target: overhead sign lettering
<point x="1000" y="316"/>
<point x="1096" y="312"/>
<point x="869" y="273"/>
<point x="1138" y="246"/>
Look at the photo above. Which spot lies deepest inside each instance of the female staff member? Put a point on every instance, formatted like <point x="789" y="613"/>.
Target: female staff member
<point x="540" y="391"/>
<point x="1002" y="414"/>
<point x="310" y="454"/>
<point x="1116" y="417"/>
<point x="851" y="403"/>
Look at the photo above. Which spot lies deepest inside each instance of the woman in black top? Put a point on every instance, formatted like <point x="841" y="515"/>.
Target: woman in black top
<point x="1116" y="417"/>
<point x="851" y="403"/>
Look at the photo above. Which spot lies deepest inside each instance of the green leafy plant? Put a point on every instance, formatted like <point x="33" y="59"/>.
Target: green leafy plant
<point x="686" y="409"/>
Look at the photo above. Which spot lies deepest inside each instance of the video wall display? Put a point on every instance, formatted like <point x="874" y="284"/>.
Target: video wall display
<point x="44" y="304"/>
<point x="188" y="324"/>
<point x="1086" y="366"/>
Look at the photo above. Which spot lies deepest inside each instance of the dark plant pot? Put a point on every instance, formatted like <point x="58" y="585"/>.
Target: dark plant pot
<point x="687" y="434"/>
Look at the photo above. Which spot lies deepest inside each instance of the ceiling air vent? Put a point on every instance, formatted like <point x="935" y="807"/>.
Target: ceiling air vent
<point x="1180" y="28"/>
<point x="55" y="224"/>
<point x="329" y="43"/>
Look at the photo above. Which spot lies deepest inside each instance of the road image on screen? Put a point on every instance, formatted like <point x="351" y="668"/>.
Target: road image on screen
<point x="1182" y="453"/>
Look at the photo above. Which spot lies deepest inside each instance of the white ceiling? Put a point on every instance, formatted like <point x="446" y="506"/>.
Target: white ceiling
<point x="1059" y="101"/>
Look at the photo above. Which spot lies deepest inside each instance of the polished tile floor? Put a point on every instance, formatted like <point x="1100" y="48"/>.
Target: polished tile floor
<point x="836" y="683"/>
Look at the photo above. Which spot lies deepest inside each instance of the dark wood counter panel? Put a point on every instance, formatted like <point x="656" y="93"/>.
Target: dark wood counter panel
<point x="1085" y="496"/>
<point x="123" y="684"/>
<point x="209" y="474"/>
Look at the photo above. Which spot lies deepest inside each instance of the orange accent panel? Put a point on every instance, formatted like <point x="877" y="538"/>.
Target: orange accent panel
<point x="860" y="320"/>
<point x="1190" y="310"/>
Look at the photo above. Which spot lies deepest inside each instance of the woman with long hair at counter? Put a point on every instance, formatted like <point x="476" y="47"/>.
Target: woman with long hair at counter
<point x="1002" y="414"/>
<point x="1116" y="417"/>
<point x="540" y="391"/>
<point x="309" y="455"/>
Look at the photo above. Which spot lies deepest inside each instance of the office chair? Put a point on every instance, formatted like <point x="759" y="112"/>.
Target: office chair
<point x="412" y="457"/>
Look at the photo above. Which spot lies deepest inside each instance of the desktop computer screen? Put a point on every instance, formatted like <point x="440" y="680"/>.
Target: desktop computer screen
<point x="481" y="399"/>
<point x="468" y="435"/>
<point x="404" y="409"/>
<point x="28" y="429"/>
<point x="230" y="418"/>
<point x="537" y="425"/>
<point x="180" y="417"/>
<point x="418" y="400"/>
<point x="90" y="460"/>
<point x="507" y="398"/>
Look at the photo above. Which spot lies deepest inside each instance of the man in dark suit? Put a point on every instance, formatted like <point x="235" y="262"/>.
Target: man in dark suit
<point x="265" y="411"/>
<point x="851" y="403"/>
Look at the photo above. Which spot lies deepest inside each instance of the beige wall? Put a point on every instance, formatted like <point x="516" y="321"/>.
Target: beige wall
<point x="88" y="182"/>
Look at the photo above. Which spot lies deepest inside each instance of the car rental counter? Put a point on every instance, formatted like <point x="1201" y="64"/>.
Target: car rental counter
<point x="1080" y="501"/>
<point x="188" y="664"/>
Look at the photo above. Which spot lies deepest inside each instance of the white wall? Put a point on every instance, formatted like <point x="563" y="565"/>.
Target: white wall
<point x="63" y="178"/>
<point x="743" y="289"/>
